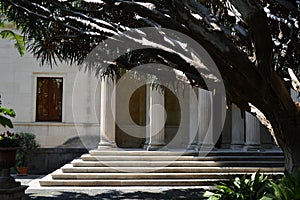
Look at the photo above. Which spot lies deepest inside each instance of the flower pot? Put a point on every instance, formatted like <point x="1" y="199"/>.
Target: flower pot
<point x="7" y="160"/>
<point x="8" y="156"/>
<point x="22" y="171"/>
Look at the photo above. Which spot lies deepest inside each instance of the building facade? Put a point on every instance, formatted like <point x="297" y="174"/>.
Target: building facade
<point x="67" y="107"/>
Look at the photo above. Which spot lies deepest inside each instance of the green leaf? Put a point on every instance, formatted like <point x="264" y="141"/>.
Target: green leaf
<point x="277" y="191"/>
<point x="266" y="198"/>
<point x="7" y="111"/>
<point x="208" y="194"/>
<point x="4" y="121"/>
<point x="19" y="40"/>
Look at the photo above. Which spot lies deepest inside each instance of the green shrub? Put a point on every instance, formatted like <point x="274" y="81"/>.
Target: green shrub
<point x="240" y="188"/>
<point x="28" y="144"/>
<point x="287" y="188"/>
<point x="5" y="113"/>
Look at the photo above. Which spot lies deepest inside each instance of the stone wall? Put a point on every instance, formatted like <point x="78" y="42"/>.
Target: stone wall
<point x="46" y="160"/>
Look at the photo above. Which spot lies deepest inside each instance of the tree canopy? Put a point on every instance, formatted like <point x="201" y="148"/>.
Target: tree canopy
<point x="253" y="43"/>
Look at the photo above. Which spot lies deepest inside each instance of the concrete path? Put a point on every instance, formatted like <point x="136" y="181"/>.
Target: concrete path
<point x="34" y="191"/>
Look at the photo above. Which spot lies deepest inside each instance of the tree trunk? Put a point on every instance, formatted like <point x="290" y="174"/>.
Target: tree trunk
<point x="288" y="138"/>
<point x="292" y="158"/>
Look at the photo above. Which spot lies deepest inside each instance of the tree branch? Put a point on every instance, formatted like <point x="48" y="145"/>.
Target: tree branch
<point x="256" y="18"/>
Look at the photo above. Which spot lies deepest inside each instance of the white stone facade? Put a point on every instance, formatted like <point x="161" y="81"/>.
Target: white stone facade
<point x="18" y="90"/>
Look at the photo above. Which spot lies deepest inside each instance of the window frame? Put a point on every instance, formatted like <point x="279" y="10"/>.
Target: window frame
<point x="37" y="75"/>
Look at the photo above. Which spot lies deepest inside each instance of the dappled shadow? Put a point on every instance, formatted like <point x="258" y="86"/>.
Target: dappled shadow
<point x="113" y="194"/>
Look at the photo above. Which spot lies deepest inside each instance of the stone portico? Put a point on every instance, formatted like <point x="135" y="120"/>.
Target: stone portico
<point x="199" y="157"/>
<point x="199" y="130"/>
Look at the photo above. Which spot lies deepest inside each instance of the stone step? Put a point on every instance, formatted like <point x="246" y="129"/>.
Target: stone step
<point x="88" y="157"/>
<point x="162" y="168"/>
<point x="80" y="163"/>
<point x="184" y="153"/>
<point x="129" y="182"/>
<point x="142" y="153"/>
<point x="69" y="168"/>
<point x="243" y="153"/>
<point x="108" y="176"/>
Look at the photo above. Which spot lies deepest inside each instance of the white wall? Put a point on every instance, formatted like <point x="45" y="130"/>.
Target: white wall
<point x="81" y="95"/>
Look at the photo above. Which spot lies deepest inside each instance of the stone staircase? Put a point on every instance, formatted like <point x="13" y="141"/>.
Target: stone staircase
<point x="162" y="168"/>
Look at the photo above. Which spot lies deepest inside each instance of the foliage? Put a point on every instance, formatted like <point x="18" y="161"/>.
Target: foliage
<point x="27" y="144"/>
<point x="19" y="40"/>
<point x="8" y="139"/>
<point x="258" y="187"/>
<point x="240" y="188"/>
<point x="288" y="188"/>
<point x="4" y="112"/>
<point x="6" y="32"/>
<point x="69" y="30"/>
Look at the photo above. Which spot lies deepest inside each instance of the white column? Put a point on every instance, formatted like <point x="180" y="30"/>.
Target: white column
<point x="205" y="120"/>
<point x="147" y="117"/>
<point x="252" y="132"/>
<point x="227" y="130"/>
<point x="107" y="122"/>
<point x="193" y="120"/>
<point x="238" y="128"/>
<point x="157" y="120"/>
<point x="219" y="114"/>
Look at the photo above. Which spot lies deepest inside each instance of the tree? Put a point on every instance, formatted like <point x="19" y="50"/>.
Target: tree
<point x="7" y="33"/>
<point x="252" y="42"/>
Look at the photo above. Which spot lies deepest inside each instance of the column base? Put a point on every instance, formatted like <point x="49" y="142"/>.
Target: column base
<point x="206" y="147"/>
<point x="15" y="193"/>
<point x="275" y="147"/>
<point x="6" y="180"/>
<point x="237" y="146"/>
<point x="252" y="147"/>
<point x="106" y="146"/>
<point x="145" y="146"/>
<point x="225" y="146"/>
<point x="10" y="185"/>
<point x="267" y="146"/>
<point x="192" y="147"/>
<point x="156" y="148"/>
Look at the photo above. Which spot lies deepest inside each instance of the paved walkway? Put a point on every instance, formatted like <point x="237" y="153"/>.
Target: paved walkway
<point x="34" y="191"/>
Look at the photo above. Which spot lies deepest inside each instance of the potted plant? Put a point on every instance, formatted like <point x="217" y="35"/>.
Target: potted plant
<point x="9" y="143"/>
<point x="28" y="144"/>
